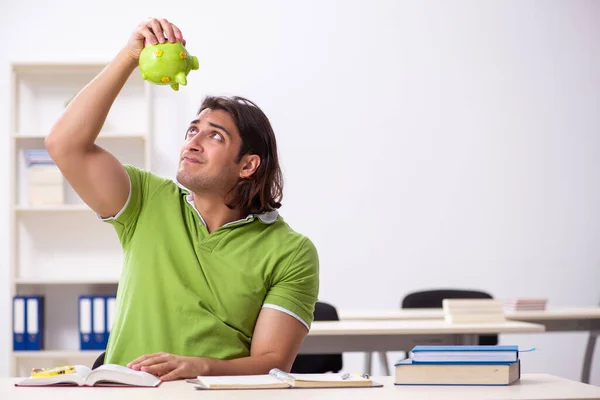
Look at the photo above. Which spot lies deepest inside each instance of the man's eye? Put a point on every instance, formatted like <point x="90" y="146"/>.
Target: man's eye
<point x="192" y="130"/>
<point x="217" y="136"/>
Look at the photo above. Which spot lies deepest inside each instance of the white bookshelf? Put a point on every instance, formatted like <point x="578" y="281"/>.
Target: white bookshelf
<point x="62" y="251"/>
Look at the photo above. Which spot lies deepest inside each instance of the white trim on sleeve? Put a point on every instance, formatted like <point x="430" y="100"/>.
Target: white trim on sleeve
<point x="278" y="308"/>
<point x="122" y="209"/>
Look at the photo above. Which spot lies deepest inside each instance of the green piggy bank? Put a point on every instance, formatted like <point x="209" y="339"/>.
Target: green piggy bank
<point x="166" y="64"/>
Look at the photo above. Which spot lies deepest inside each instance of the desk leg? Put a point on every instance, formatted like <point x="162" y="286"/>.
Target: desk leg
<point x="383" y="362"/>
<point x="589" y="354"/>
<point x="367" y="367"/>
<point x="469" y="339"/>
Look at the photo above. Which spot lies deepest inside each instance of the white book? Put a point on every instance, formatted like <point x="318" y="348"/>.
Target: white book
<point x="80" y="375"/>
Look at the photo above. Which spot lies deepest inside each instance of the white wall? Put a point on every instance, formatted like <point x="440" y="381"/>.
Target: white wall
<point x="424" y="144"/>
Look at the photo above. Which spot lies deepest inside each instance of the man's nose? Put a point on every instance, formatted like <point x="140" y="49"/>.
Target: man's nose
<point x="195" y="144"/>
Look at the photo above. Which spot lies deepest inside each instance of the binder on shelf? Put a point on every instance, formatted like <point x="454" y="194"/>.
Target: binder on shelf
<point x="110" y="316"/>
<point x="96" y="316"/>
<point x="35" y="326"/>
<point x="28" y="323"/>
<point x="46" y="183"/>
<point x="85" y="323"/>
<point x="99" y="322"/>
<point x="19" y="339"/>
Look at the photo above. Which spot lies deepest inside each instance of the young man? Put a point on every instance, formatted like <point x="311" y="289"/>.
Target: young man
<point x="214" y="282"/>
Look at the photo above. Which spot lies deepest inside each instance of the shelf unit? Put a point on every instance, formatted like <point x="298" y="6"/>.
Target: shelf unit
<point x="64" y="251"/>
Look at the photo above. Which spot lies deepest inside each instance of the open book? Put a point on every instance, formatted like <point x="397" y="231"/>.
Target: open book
<point x="80" y="375"/>
<point x="277" y="379"/>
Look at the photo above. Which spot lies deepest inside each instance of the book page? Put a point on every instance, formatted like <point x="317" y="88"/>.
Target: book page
<point x="115" y="368"/>
<point x="240" y="381"/>
<point x="112" y="373"/>
<point x="327" y="378"/>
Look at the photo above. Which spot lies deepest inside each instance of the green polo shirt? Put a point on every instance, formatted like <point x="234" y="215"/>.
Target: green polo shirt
<point x="187" y="292"/>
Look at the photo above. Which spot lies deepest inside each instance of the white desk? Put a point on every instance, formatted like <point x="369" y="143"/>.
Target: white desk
<point x="566" y="319"/>
<point x="330" y="337"/>
<point x="583" y="316"/>
<point x="531" y="386"/>
<point x="389" y="335"/>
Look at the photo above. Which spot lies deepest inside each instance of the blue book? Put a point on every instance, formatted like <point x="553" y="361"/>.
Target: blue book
<point x="466" y="354"/>
<point x="409" y="372"/>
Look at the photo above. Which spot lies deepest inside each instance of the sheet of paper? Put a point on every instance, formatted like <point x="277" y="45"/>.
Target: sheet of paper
<point x="241" y="380"/>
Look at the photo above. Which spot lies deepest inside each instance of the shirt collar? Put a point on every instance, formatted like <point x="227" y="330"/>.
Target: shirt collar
<point x="267" y="217"/>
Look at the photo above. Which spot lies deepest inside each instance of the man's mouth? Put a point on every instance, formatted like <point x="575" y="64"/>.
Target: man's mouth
<point x="191" y="160"/>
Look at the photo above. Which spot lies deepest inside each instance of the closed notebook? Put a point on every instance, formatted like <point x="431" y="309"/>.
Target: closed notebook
<point x="80" y="375"/>
<point x="469" y="354"/>
<point x="277" y="379"/>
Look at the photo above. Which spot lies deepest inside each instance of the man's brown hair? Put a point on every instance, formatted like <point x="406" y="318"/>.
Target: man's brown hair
<point x="263" y="190"/>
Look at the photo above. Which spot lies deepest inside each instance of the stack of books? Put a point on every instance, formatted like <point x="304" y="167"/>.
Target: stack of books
<point x="525" y="304"/>
<point x="46" y="182"/>
<point x="460" y="365"/>
<point x="458" y="311"/>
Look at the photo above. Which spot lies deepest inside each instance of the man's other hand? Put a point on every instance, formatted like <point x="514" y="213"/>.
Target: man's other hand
<point x="168" y="366"/>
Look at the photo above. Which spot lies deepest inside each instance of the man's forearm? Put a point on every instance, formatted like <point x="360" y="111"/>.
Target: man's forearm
<point x="170" y="366"/>
<point x="81" y="122"/>
<point x="260" y="364"/>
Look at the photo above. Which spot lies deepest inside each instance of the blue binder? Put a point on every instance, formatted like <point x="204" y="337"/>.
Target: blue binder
<point x="99" y="322"/>
<point x="34" y="317"/>
<point x="19" y="324"/>
<point x="96" y="315"/>
<point x="85" y="323"/>
<point x="110" y="308"/>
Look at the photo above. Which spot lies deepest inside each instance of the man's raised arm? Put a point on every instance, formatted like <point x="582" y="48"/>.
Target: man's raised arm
<point x="95" y="174"/>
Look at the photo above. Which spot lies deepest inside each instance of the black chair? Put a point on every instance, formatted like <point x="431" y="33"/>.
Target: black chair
<point x="99" y="361"/>
<point x="434" y="298"/>
<point x="319" y="363"/>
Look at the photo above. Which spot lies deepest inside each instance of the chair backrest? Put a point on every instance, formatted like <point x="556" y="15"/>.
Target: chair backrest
<point x="434" y="298"/>
<point x="319" y="363"/>
<point x="99" y="361"/>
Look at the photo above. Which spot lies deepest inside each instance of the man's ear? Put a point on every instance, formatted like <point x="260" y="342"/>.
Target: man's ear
<point x="250" y="163"/>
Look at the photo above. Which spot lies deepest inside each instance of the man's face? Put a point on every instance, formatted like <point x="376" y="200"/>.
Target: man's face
<point x="207" y="161"/>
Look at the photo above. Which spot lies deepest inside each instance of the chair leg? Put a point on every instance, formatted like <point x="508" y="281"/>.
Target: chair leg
<point x="367" y="366"/>
<point x="383" y="362"/>
<point x="587" y="358"/>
